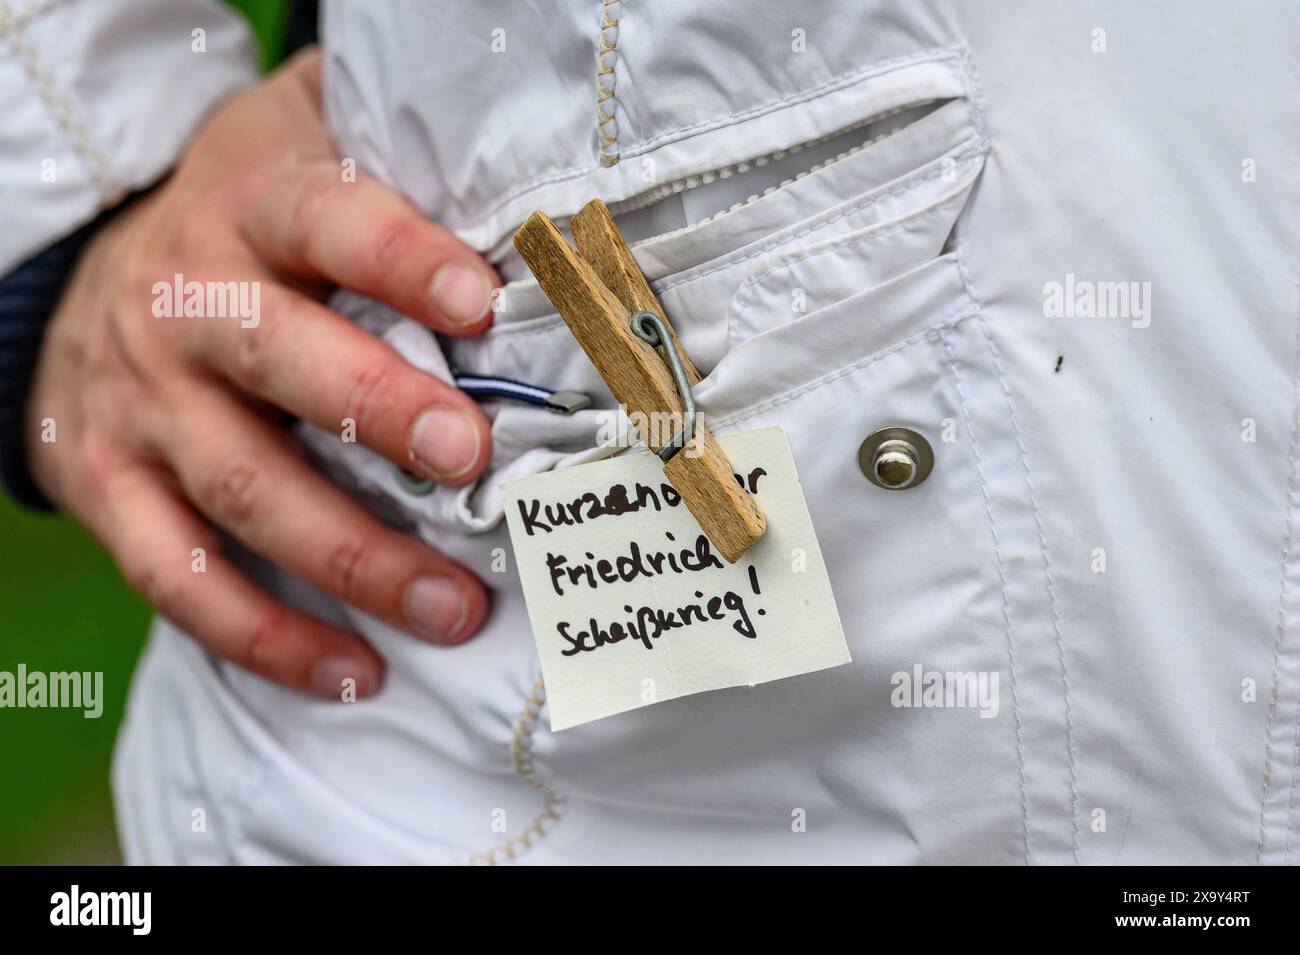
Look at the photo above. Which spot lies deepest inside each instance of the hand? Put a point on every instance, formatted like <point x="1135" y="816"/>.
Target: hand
<point x="161" y="423"/>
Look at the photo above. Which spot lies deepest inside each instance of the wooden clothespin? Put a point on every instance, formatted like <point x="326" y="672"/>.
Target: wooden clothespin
<point x="598" y="290"/>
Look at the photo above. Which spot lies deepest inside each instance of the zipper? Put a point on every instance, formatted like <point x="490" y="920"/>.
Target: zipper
<point x="685" y="183"/>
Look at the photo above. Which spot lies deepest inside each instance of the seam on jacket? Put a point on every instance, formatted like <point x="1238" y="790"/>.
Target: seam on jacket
<point x="521" y="757"/>
<point x="1042" y="545"/>
<point x="726" y="421"/>
<point x="19" y="19"/>
<point x="606" y="103"/>
<point x="959" y="153"/>
<point x="979" y="119"/>
<point x="974" y="92"/>
<point x="869" y="234"/>
<point x="684" y="185"/>
<point x="854" y="238"/>
<point x="849" y="78"/>
<point x="1002" y="578"/>
<point x="1290" y="807"/>
<point x="971" y="146"/>
<point x="1284" y="588"/>
<point x="12" y="28"/>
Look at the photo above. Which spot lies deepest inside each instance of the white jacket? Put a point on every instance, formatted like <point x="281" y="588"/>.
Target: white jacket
<point x="97" y="97"/>
<point x="1069" y="261"/>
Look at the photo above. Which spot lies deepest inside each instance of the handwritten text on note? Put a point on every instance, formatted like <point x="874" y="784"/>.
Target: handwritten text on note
<point x="630" y="603"/>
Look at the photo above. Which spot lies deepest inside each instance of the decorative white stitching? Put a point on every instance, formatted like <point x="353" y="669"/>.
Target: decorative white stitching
<point x="1002" y="577"/>
<point x="31" y="11"/>
<point x="1287" y="540"/>
<point x="741" y="299"/>
<point x="852" y="239"/>
<point x="974" y="93"/>
<point x="1042" y="546"/>
<point x="12" y="27"/>
<point x="694" y="180"/>
<point x="547" y="324"/>
<point x="1290" y="809"/>
<point x="975" y="99"/>
<point x="959" y="153"/>
<point x="850" y="78"/>
<point x="727" y="421"/>
<point x="521" y="755"/>
<point x="607" y="81"/>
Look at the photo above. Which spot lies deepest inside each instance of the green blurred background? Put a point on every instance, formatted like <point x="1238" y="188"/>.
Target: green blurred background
<point x="63" y="606"/>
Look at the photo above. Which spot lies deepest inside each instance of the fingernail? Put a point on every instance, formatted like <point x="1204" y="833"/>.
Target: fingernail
<point x="330" y="677"/>
<point x="435" y="608"/>
<point x="444" y="443"/>
<point x="462" y="293"/>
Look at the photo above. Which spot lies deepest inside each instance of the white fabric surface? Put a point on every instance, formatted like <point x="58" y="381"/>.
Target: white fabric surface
<point x="98" y="97"/>
<point x="924" y="259"/>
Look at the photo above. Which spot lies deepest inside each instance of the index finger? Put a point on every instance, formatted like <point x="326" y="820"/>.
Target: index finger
<point x="364" y="236"/>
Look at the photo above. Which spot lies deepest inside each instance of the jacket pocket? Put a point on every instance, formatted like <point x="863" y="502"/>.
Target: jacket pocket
<point x="941" y="581"/>
<point x="851" y="223"/>
<point x="819" y="274"/>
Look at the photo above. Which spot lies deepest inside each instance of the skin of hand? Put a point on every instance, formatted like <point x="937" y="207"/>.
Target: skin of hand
<point x="166" y="428"/>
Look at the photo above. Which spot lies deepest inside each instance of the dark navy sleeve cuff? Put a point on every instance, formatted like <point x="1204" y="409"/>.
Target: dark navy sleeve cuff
<point x="28" y="295"/>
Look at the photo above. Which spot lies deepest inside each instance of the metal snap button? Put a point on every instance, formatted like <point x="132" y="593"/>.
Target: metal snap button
<point x="896" y="458"/>
<point x="412" y="483"/>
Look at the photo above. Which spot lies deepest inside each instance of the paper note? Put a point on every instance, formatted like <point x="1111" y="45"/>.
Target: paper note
<point x="630" y="603"/>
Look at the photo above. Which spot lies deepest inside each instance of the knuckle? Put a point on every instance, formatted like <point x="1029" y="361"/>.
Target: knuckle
<point x="94" y="462"/>
<point x="396" y="241"/>
<point x="232" y="493"/>
<point x="190" y="242"/>
<point x="162" y="587"/>
<point x="367" y="393"/>
<point x="345" y="569"/>
<point x="194" y="342"/>
<point x="134" y="290"/>
<point x="317" y="192"/>
<point x="250" y="197"/>
<point x="253" y="648"/>
<point x="255" y="355"/>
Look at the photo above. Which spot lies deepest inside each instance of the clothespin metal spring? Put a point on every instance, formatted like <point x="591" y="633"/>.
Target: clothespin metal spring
<point x="599" y="291"/>
<point x="651" y="329"/>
